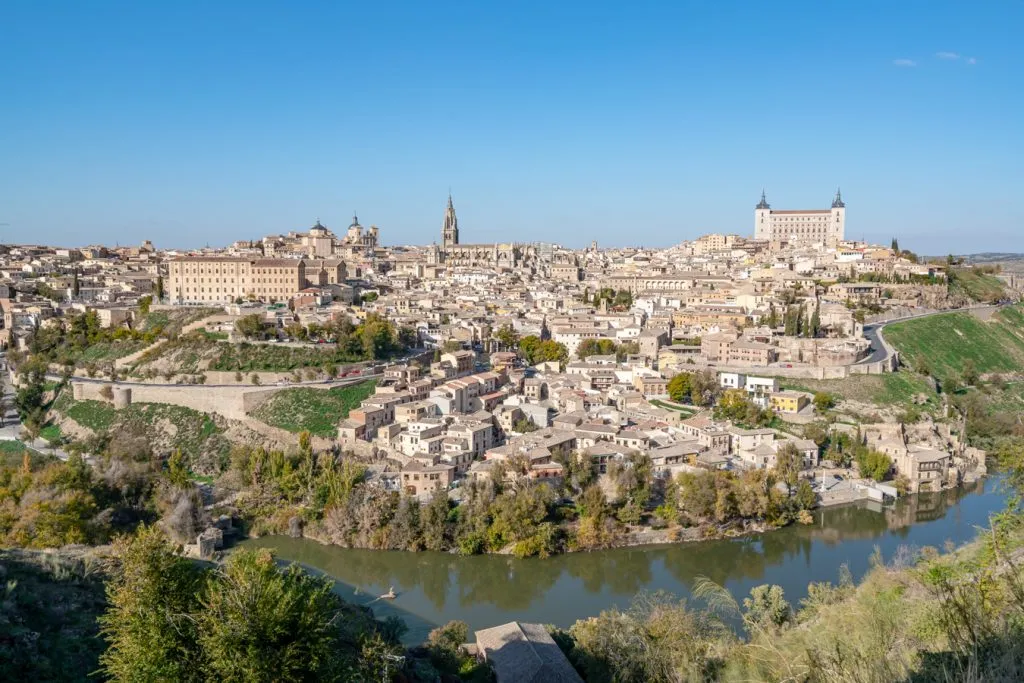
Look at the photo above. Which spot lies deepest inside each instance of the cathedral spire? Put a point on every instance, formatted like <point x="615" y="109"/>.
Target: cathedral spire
<point x="763" y="204"/>
<point x="450" y="229"/>
<point x="837" y="203"/>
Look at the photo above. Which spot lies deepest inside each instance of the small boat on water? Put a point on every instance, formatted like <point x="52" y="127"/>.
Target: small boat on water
<point x="390" y="595"/>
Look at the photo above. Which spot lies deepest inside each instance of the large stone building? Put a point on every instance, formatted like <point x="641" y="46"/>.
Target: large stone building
<point x="807" y="226"/>
<point x="453" y="253"/>
<point x="320" y="242"/>
<point x="223" y="279"/>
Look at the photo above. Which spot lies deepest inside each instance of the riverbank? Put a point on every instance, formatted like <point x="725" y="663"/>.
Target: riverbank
<point x="483" y="590"/>
<point x="639" y="536"/>
<point x="632" y="538"/>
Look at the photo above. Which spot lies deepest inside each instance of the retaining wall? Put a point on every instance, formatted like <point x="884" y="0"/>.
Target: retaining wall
<point x="234" y="403"/>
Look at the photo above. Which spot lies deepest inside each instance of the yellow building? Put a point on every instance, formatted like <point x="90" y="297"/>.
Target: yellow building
<point x="788" y="401"/>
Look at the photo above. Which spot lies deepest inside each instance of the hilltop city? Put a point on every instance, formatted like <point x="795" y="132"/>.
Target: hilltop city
<point x="518" y="398"/>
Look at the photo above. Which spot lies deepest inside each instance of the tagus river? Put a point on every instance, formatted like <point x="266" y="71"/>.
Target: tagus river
<point x="486" y="590"/>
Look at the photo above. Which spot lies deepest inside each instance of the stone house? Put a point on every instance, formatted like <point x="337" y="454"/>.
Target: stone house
<point x="419" y="479"/>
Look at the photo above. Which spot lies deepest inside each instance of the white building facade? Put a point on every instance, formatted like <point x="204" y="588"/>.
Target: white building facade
<point x="804" y="226"/>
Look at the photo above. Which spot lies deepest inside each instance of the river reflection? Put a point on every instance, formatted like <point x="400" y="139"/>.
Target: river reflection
<point x="490" y="589"/>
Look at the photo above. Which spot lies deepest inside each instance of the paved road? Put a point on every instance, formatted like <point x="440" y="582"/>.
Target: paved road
<point x="873" y="332"/>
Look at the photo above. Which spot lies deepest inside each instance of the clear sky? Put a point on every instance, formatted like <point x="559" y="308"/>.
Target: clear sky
<point x="636" y="123"/>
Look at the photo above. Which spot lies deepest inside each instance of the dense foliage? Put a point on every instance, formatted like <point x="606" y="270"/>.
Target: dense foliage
<point x="374" y="338"/>
<point x="698" y="388"/>
<point x="248" y="620"/>
<point x="606" y="347"/>
<point x="48" y="609"/>
<point x="534" y="350"/>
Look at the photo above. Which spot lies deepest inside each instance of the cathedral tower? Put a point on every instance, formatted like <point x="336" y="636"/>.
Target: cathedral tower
<point x="450" y="230"/>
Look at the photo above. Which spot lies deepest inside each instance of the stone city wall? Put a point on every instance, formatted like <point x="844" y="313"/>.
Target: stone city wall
<point x="234" y="403"/>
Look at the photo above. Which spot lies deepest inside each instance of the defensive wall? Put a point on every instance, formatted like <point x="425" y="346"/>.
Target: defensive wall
<point x="234" y="403"/>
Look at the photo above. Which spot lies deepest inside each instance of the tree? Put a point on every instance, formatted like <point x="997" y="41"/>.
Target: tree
<point x="144" y="304"/>
<point x="507" y="336"/>
<point x="592" y="502"/>
<point x="969" y="373"/>
<point x="766" y="607"/>
<point x="251" y="326"/>
<point x="408" y="337"/>
<point x="524" y="425"/>
<point x="534" y="351"/>
<point x="872" y="464"/>
<point x="788" y="463"/>
<point x="76" y="287"/>
<point x="815" y="327"/>
<point x="30" y="398"/>
<point x="626" y="349"/>
<point x="595" y="347"/>
<point x="259" y="623"/>
<point x="680" y="386"/>
<point x="444" y="644"/>
<point x="732" y="405"/>
<point x="177" y="470"/>
<point x="528" y="347"/>
<point x="895" y="246"/>
<point x="704" y="387"/>
<point x="805" y="496"/>
<point x="148" y="624"/>
<point x="657" y="639"/>
<point x="824" y="401"/>
<point x="790" y="319"/>
<point x="160" y="288"/>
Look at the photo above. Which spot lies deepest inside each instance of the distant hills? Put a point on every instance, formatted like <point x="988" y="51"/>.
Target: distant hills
<point x="992" y="256"/>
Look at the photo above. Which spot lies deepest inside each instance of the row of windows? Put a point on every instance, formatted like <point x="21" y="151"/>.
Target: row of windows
<point x="236" y="271"/>
<point x="265" y="280"/>
<point x="801" y="218"/>
<point x="217" y="290"/>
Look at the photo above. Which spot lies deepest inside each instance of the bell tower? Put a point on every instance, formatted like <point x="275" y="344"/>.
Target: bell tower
<point x="450" y="229"/>
<point x="763" y="220"/>
<point x="837" y="226"/>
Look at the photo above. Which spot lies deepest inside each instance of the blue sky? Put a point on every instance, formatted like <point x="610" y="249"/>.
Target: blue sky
<point x="631" y="123"/>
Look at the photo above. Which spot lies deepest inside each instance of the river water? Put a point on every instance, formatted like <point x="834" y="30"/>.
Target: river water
<point x="486" y="590"/>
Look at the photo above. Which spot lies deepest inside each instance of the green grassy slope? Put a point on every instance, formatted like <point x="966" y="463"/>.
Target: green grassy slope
<point x="166" y="427"/>
<point x="946" y="341"/>
<point x="976" y="285"/>
<point x="315" y="410"/>
<point x="896" y="388"/>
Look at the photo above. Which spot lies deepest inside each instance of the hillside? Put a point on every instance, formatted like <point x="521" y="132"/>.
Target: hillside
<point x="944" y="342"/>
<point x="317" y="411"/>
<point x="199" y="351"/>
<point x="205" y="440"/>
<point x="976" y="284"/>
<point x="48" y="629"/>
